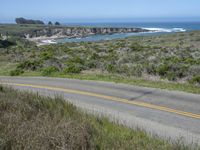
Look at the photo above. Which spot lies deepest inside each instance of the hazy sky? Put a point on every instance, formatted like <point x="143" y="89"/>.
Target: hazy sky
<point x="99" y="10"/>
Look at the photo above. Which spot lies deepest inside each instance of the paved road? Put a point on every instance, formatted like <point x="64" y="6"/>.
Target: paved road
<point x="168" y="114"/>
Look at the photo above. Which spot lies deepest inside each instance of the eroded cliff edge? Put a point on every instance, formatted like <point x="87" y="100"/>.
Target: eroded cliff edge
<point x="78" y="31"/>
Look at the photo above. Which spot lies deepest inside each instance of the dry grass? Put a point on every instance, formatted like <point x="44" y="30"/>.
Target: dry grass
<point x="30" y="121"/>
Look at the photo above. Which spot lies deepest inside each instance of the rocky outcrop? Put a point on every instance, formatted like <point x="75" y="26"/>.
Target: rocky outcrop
<point x="78" y="31"/>
<point x="28" y="21"/>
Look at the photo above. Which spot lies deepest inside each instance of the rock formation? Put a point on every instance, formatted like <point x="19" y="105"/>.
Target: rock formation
<point x="72" y="32"/>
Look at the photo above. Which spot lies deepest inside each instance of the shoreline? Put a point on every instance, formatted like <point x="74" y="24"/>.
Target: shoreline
<point x="48" y="35"/>
<point x="44" y="40"/>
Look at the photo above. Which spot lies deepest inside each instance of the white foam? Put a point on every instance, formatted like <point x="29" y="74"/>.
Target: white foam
<point x="166" y="29"/>
<point x="49" y="41"/>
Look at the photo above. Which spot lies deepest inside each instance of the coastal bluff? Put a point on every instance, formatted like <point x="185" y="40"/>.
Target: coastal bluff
<point x="74" y="32"/>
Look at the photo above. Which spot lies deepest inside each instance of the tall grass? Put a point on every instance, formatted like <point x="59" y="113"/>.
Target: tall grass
<point x="31" y="121"/>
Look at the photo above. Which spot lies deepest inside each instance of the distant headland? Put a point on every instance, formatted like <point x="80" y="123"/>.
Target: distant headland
<point x="38" y="31"/>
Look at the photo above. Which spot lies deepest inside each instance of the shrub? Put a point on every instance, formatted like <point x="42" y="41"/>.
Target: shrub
<point x="49" y="70"/>
<point x="171" y="76"/>
<point x="1" y="88"/>
<point x="194" y="70"/>
<point x="29" y="65"/>
<point x="75" y="65"/>
<point x="150" y="69"/>
<point x="136" y="47"/>
<point x="195" y="80"/>
<point x="136" y="71"/>
<point x="72" y="68"/>
<point x="76" y="60"/>
<point x="57" y="23"/>
<point x="162" y="70"/>
<point x="6" y="43"/>
<point x="172" y="71"/>
<point x="197" y="39"/>
<point x="111" y="68"/>
<point x="16" y="72"/>
<point x="191" y="34"/>
<point x="90" y="64"/>
<point x="46" y="55"/>
<point x="123" y="69"/>
<point x="94" y="56"/>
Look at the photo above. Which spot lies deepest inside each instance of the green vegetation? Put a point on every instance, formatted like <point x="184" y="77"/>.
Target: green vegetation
<point x="57" y="23"/>
<point x="18" y="30"/>
<point x="28" y="21"/>
<point x="16" y="72"/>
<point x="49" y="70"/>
<point x="50" y="23"/>
<point x="195" y="79"/>
<point x="6" y="68"/>
<point x="31" y="121"/>
<point x="5" y="43"/>
<point x="163" y="61"/>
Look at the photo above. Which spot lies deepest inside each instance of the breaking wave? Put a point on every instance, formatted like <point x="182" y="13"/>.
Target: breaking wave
<point x="166" y="29"/>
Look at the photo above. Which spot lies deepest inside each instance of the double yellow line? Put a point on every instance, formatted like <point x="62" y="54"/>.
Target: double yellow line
<point x="111" y="98"/>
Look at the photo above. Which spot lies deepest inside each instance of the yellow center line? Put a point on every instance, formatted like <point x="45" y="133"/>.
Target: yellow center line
<point x="111" y="98"/>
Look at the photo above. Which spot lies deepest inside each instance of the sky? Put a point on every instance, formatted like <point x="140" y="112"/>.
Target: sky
<point x="100" y="10"/>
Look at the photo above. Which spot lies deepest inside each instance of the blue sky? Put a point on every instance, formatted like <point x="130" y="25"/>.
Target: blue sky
<point x="100" y="10"/>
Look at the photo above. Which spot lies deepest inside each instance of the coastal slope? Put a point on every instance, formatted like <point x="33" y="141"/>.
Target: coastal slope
<point x="167" y="114"/>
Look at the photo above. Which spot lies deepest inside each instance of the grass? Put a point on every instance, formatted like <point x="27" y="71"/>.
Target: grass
<point x="31" y="121"/>
<point x="6" y="68"/>
<point x="18" y="29"/>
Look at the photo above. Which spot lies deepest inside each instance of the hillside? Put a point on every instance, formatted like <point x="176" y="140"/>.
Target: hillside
<point x="30" y="121"/>
<point x="166" y="61"/>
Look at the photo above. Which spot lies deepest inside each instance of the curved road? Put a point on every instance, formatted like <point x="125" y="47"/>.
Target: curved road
<point x="168" y="114"/>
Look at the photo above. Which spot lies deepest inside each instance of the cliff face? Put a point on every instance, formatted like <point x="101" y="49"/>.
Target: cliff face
<point x="79" y="32"/>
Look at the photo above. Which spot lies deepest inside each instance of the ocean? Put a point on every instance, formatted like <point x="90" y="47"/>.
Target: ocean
<point x="158" y="27"/>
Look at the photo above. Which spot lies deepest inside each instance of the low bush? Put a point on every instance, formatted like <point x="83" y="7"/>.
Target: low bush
<point x="30" y="65"/>
<point x="111" y="68"/>
<point x="172" y="71"/>
<point x="6" y="43"/>
<point x="46" y="55"/>
<point x="150" y="69"/>
<point x="76" y="60"/>
<point x="75" y="65"/>
<point x="72" y="68"/>
<point x="194" y="70"/>
<point x="136" y="47"/>
<point x="195" y="80"/>
<point x="171" y="76"/>
<point x="136" y="70"/>
<point x="16" y="72"/>
<point x="162" y="70"/>
<point x="197" y="39"/>
<point x="49" y="70"/>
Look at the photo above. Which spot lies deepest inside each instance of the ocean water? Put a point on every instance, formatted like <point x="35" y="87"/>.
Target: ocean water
<point x="156" y="27"/>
